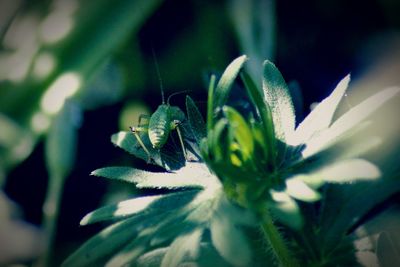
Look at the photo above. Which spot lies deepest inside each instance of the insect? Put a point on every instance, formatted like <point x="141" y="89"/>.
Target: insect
<point x="159" y="125"/>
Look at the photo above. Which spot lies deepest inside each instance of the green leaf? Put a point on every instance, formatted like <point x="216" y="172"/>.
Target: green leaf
<point x="344" y="206"/>
<point x="210" y="104"/>
<point x="218" y="142"/>
<point x="152" y="258"/>
<point x="320" y="118"/>
<point x="241" y="132"/>
<point x="131" y="251"/>
<point x="149" y="205"/>
<point x="103" y="244"/>
<point x="174" y="227"/>
<point x="350" y="119"/>
<point x="285" y="209"/>
<point x="347" y="171"/>
<point x="61" y="141"/>
<point x="226" y="81"/>
<point x="192" y="175"/>
<point x="264" y="111"/>
<point x="184" y="247"/>
<point x="296" y="188"/>
<point x="256" y="26"/>
<point x="278" y="98"/>
<point x="196" y="121"/>
<point x="230" y="241"/>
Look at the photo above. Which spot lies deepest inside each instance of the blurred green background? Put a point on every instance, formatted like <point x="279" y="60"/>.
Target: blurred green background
<point x="74" y="72"/>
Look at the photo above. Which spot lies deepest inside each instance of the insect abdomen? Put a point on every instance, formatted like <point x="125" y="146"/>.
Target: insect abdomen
<point x="159" y="127"/>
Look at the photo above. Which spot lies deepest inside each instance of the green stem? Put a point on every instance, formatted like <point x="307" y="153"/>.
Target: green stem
<point x="274" y="238"/>
<point x="51" y="207"/>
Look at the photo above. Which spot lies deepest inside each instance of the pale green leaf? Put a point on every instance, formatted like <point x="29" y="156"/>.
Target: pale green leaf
<point x="192" y="175"/>
<point x="285" y="209"/>
<point x="226" y="81"/>
<point x="320" y="117"/>
<point x="208" y="257"/>
<point x="133" y="250"/>
<point x="196" y="121"/>
<point x="296" y="188"/>
<point x="105" y="243"/>
<point x="184" y="247"/>
<point x="230" y="241"/>
<point x="152" y="258"/>
<point x="227" y="238"/>
<point x="147" y="205"/>
<point x="278" y="98"/>
<point x="349" y="120"/>
<point x="169" y="229"/>
<point x="347" y="171"/>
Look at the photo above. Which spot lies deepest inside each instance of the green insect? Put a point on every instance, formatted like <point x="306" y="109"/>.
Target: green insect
<point x="159" y="125"/>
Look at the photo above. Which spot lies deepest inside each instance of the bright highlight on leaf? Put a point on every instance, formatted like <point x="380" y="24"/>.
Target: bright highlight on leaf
<point x="320" y="118"/>
<point x="277" y="97"/>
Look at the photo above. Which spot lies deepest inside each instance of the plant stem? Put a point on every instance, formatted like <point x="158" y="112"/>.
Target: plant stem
<point x="274" y="238"/>
<point x="51" y="207"/>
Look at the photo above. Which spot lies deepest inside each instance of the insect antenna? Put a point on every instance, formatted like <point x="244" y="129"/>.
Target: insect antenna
<point x="177" y="93"/>
<point x="158" y="75"/>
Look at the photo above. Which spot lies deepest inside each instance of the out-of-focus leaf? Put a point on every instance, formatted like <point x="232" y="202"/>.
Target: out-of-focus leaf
<point x="140" y="206"/>
<point x="152" y="258"/>
<point x="196" y="121"/>
<point x="343" y="207"/>
<point x="279" y="100"/>
<point x="184" y="247"/>
<point x="226" y="81"/>
<point x="208" y="257"/>
<point x="103" y="244"/>
<point x="192" y="175"/>
<point x="241" y="132"/>
<point x="298" y="189"/>
<point x="16" y="144"/>
<point x="349" y="120"/>
<point x="210" y="103"/>
<point x="128" y="254"/>
<point x="230" y="241"/>
<point x="348" y="170"/>
<point x="61" y="140"/>
<point x="320" y="117"/>
<point x="175" y="226"/>
<point x="255" y="25"/>
<point x="388" y="254"/>
<point x="105" y="87"/>
<point x="285" y="209"/>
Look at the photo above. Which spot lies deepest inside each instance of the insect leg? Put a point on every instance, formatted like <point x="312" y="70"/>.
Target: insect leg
<point x="146" y="118"/>
<point x="176" y="124"/>
<point x="135" y="131"/>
